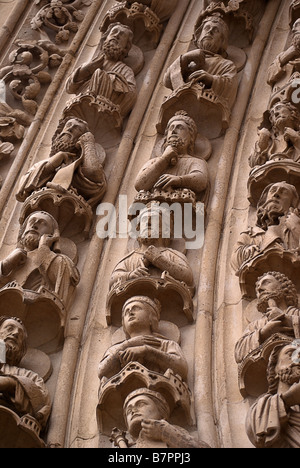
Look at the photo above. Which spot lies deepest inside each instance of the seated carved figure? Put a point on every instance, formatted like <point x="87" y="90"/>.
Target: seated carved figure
<point x="206" y="67"/>
<point x="75" y="162"/>
<point x="146" y="414"/>
<point x="37" y="262"/>
<point x="107" y="76"/>
<point x="140" y="319"/>
<point x="287" y="61"/>
<point x="273" y="420"/>
<point x="21" y="390"/>
<point x="177" y="168"/>
<point x="278" y="304"/>
<point x="153" y="256"/>
<point x="278" y="224"/>
<point x="283" y="141"/>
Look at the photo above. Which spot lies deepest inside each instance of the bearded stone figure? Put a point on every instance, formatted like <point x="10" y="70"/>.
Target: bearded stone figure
<point x="273" y="420"/>
<point x="278" y="224"/>
<point x="282" y="142"/>
<point x="146" y="414"/>
<point x="23" y="393"/>
<point x="107" y="76"/>
<point x="177" y="168"/>
<point x="75" y="162"/>
<point x="37" y="262"/>
<point x="288" y="62"/>
<point x="278" y="303"/>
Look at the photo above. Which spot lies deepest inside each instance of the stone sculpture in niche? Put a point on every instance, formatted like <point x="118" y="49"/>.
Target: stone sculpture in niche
<point x="38" y="280"/>
<point x="72" y="175"/>
<point x="143" y="344"/>
<point x="153" y="269"/>
<point x="106" y="85"/>
<point x="277" y="226"/>
<point x="273" y="420"/>
<point x="177" y="168"/>
<point x="154" y="255"/>
<point x="37" y="262"/>
<point x="75" y="162"/>
<point x="277" y="301"/>
<point x="288" y="62"/>
<point x="24" y="399"/>
<point x="146" y="413"/>
<point x="282" y="140"/>
<point x="203" y="81"/>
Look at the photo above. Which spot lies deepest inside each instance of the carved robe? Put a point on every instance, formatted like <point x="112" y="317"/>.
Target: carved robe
<point x="45" y="268"/>
<point x="251" y="336"/>
<point x="181" y="268"/>
<point x="256" y="236"/>
<point x="270" y="425"/>
<point x="110" y="364"/>
<point x="67" y="176"/>
<point x="115" y="81"/>
<point x="31" y="394"/>
<point x="225" y="81"/>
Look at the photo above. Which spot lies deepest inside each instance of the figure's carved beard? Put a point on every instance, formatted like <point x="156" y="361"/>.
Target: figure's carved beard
<point x="177" y="142"/>
<point x="269" y="213"/>
<point x="208" y="43"/>
<point x="112" y="50"/>
<point x="13" y="352"/>
<point x="64" y="142"/>
<point x="262" y="302"/>
<point x="30" y="241"/>
<point x="290" y="375"/>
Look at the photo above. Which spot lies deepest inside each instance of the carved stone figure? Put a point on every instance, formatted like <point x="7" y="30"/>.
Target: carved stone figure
<point x="106" y="81"/>
<point x="37" y="263"/>
<point x="278" y="303"/>
<point x="278" y="224"/>
<point x="24" y="399"/>
<point x="177" y="168"/>
<point x="288" y="62"/>
<point x="205" y="73"/>
<point x="273" y="420"/>
<point x="140" y="318"/>
<point x="154" y="255"/>
<point x="75" y="162"/>
<point x="146" y="413"/>
<point x="282" y="141"/>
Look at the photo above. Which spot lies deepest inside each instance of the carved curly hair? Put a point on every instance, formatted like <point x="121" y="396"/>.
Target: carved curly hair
<point x="287" y="287"/>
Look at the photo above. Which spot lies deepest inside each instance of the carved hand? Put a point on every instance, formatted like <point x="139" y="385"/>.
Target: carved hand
<point x="165" y="181"/>
<point x="154" y="429"/>
<point x="151" y="253"/>
<point x="171" y="154"/>
<point x="280" y="324"/>
<point x="138" y="272"/>
<point x="292" y="220"/>
<point x="292" y="396"/>
<point x="48" y="240"/>
<point x="205" y="78"/>
<point x="291" y="135"/>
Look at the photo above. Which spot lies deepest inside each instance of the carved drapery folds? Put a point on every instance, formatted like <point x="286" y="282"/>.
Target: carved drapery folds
<point x="266" y="260"/>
